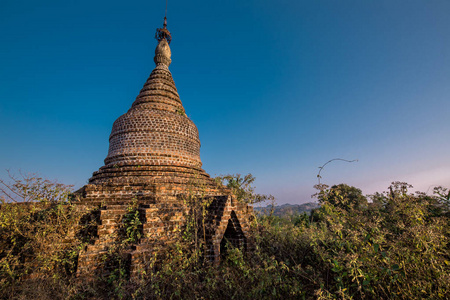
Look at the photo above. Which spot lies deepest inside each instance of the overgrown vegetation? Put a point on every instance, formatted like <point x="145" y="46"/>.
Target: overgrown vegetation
<point x="37" y="240"/>
<point x="391" y="245"/>
<point x="242" y="188"/>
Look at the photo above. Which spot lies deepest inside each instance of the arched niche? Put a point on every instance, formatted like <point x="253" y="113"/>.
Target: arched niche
<point x="233" y="236"/>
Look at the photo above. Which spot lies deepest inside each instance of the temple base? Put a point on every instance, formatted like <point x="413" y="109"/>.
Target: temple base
<point x="162" y="206"/>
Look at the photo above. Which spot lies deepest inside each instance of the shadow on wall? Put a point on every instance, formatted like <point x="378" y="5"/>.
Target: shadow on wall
<point x="233" y="237"/>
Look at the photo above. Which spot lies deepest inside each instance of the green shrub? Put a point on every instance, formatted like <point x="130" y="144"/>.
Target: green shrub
<point x="394" y="247"/>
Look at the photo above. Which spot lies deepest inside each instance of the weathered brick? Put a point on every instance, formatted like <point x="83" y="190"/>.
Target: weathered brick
<point x="154" y="163"/>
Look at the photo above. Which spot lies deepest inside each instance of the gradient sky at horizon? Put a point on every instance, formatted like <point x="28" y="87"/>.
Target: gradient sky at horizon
<point x="276" y="88"/>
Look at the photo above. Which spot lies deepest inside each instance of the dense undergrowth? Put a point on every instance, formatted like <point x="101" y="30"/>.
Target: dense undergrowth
<point x="395" y="247"/>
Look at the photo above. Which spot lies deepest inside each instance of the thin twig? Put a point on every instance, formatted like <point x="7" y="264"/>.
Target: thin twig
<point x="321" y="168"/>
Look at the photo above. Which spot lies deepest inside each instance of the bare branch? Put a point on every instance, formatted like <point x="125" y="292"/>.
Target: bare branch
<point x="323" y="166"/>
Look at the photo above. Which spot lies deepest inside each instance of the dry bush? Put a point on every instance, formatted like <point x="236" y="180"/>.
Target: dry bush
<point x="37" y="238"/>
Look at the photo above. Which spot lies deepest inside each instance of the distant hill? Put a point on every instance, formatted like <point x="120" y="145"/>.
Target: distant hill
<point x="287" y="209"/>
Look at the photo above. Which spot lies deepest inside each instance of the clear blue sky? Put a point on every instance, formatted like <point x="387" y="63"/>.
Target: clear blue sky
<point x="276" y="88"/>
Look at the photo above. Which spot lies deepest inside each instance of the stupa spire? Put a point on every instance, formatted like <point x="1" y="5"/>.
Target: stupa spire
<point x="162" y="51"/>
<point x="155" y="133"/>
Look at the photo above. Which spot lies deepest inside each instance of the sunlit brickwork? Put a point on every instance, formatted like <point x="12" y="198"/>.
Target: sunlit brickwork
<point x="154" y="163"/>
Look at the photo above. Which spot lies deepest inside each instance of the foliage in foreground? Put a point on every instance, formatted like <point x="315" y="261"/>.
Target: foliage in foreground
<point x="37" y="239"/>
<point x="394" y="247"/>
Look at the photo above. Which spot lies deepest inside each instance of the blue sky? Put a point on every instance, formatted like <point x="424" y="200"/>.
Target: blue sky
<point x="276" y="88"/>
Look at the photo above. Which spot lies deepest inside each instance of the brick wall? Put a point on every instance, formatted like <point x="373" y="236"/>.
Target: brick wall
<point x="154" y="163"/>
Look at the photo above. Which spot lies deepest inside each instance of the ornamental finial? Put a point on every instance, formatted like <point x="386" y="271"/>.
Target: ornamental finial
<point x="162" y="51"/>
<point x="163" y="33"/>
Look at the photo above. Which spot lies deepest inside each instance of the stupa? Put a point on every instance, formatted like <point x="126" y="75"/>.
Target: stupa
<point x="154" y="163"/>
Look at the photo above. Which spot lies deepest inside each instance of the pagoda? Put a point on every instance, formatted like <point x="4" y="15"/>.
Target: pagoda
<point x="153" y="164"/>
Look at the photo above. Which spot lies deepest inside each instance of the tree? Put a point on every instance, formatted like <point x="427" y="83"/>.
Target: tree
<point x="343" y="196"/>
<point x="242" y="188"/>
